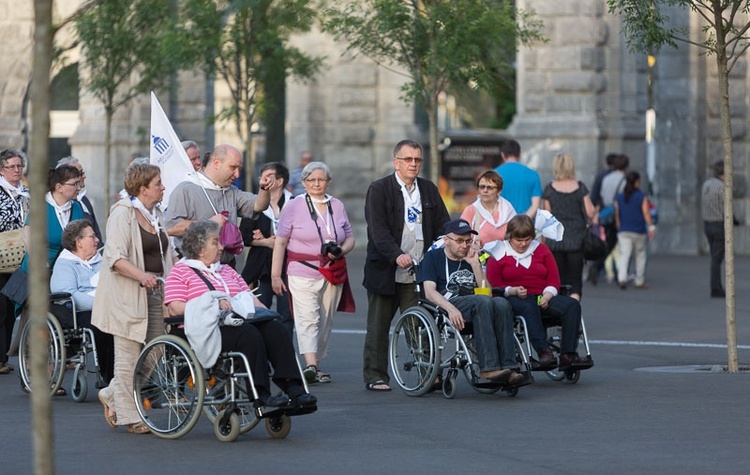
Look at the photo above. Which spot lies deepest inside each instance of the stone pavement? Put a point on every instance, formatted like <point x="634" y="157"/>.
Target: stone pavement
<point x="619" y="418"/>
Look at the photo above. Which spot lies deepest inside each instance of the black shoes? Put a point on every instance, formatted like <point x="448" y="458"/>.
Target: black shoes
<point x="547" y="360"/>
<point x="573" y="361"/>
<point x="303" y="400"/>
<point x="718" y="294"/>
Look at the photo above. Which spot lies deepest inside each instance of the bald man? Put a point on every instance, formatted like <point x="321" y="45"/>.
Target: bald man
<point x="190" y="202"/>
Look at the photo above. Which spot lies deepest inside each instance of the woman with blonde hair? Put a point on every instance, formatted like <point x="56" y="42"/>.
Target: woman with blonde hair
<point x="568" y="200"/>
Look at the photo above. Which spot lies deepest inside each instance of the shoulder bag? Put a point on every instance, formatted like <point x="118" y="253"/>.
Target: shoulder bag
<point x="12" y="250"/>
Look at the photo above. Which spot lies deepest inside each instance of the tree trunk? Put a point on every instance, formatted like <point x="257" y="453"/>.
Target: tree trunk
<point x="726" y="137"/>
<point x="249" y="153"/>
<point x="431" y="110"/>
<point x="41" y="407"/>
<point x="108" y="158"/>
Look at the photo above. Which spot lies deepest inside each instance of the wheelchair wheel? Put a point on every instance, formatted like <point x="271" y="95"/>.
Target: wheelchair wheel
<point x="450" y="388"/>
<point x="471" y="372"/>
<point x="168" y="387"/>
<point x="414" y="354"/>
<point x="554" y="338"/>
<point x="572" y="376"/>
<point x="56" y="357"/>
<point x="227" y="426"/>
<point x="80" y="386"/>
<point x="278" y="427"/>
<point x="221" y="391"/>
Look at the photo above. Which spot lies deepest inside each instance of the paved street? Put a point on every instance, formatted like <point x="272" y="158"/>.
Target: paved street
<point x="619" y="418"/>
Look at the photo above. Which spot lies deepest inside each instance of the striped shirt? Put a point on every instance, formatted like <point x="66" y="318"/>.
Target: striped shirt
<point x="712" y="203"/>
<point x="183" y="284"/>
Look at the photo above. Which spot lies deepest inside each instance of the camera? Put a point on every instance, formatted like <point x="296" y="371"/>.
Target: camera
<point x="331" y="247"/>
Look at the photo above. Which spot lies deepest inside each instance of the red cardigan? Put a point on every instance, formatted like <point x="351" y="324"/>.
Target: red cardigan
<point x="541" y="274"/>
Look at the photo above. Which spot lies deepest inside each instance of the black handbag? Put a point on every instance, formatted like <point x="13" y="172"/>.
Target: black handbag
<point x="594" y="248"/>
<point x="17" y="287"/>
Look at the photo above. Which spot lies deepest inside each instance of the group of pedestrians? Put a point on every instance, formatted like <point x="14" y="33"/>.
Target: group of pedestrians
<point x="299" y="235"/>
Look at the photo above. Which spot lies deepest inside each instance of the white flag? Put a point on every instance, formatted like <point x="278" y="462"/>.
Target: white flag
<point x="166" y="151"/>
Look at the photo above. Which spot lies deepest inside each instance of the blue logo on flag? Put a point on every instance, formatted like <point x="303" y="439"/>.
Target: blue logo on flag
<point x="163" y="148"/>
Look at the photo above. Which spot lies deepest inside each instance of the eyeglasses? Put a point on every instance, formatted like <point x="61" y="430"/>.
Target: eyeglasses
<point x="13" y="167"/>
<point x="316" y="180"/>
<point x="461" y="242"/>
<point x="88" y="236"/>
<point x="487" y="187"/>
<point x="410" y="160"/>
<point x="75" y="184"/>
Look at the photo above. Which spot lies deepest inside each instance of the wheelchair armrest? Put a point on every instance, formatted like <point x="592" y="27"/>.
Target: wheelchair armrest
<point x="175" y="320"/>
<point x="59" y="296"/>
<point x="565" y="289"/>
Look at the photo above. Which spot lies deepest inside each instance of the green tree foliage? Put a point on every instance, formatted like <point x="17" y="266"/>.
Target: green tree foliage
<point x="129" y="48"/>
<point x="246" y="43"/>
<point x="437" y="43"/>
<point x="725" y="36"/>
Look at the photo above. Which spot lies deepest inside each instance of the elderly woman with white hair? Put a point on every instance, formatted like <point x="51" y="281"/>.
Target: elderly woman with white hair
<point x="315" y="233"/>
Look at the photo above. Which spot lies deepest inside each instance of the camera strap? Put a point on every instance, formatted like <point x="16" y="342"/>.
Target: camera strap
<point x="314" y="217"/>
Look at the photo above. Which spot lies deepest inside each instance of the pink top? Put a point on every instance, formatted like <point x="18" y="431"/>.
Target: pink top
<point x="541" y="273"/>
<point x="183" y="284"/>
<point x="296" y="224"/>
<point x="487" y="231"/>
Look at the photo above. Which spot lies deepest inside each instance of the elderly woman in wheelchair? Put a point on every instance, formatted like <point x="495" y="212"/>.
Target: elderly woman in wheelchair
<point x="449" y="276"/>
<point x="204" y="290"/>
<point x="526" y="270"/>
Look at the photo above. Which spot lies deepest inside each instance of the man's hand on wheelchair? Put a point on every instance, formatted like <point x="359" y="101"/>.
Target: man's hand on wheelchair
<point x="404" y="261"/>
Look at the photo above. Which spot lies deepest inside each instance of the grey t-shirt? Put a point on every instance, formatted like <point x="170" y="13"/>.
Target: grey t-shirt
<point x="612" y="184"/>
<point x="188" y="201"/>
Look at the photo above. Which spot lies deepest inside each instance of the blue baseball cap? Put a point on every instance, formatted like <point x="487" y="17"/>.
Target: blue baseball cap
<point x="458" y="226"/>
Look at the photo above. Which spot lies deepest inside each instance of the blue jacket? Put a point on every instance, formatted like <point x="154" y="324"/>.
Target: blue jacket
<point x="77" y="277"/>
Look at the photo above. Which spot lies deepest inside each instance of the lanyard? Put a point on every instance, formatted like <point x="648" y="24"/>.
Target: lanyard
<point x="314" y="213"/>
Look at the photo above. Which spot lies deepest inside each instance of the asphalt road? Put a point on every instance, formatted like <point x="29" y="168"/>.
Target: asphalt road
<point x="621" y="417"/>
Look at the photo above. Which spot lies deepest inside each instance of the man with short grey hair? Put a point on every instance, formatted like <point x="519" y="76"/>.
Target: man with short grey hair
<point x="88" y="208"/>
<point x="193" y="152"/>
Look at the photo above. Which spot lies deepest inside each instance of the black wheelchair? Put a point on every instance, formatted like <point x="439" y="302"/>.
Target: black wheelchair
<point x="71" y="346"/>
<point x="171" y="388"/>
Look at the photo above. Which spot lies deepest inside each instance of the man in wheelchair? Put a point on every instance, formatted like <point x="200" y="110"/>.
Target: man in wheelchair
<point x="448" y="276"/>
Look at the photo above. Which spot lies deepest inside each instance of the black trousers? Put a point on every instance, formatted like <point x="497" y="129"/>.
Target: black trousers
<point x="263" y="343"/>
<point x="7" y="320"/>
<point x="715" y="234"/>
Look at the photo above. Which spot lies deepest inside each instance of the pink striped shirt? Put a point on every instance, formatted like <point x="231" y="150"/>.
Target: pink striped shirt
<point x="183" y="284"/>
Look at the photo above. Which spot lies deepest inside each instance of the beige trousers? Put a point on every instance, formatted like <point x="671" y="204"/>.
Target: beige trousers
<point x="119" y="394"/>
<point x="314" y="302"/>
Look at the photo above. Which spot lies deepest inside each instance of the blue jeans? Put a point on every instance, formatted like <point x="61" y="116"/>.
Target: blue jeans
<point x="567" y="309"/>
<point x="492" y="319"/>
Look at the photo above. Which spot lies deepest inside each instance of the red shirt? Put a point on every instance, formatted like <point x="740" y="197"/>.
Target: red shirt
<point x="541" y="273"/>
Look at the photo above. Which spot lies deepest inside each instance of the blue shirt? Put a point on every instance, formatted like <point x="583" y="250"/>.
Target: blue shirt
<point x="631" y="213"/>
<point x="520" y="184"/>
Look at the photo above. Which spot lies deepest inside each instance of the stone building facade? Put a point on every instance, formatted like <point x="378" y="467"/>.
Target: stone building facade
<point x="581" y="93"/>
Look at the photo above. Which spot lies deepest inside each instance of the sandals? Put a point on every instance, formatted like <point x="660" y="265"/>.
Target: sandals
<point x="313" y="375"/>
<point x="138" y="428"/>
<point x="111" y="419"/>
<point x="378" y="386"/>
<point x="61" y="392"/>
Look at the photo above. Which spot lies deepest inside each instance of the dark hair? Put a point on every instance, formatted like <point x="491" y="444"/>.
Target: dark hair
<point x="621" y="162"/>
<point x="520" y="226"/>
<point x="205" y="159"/>
<point x="610" y="160"/>
<point x="407" y="143"/>
<point x="60" y="175"/>
<point x="279" y="170"/>
<point x="196" y="237"/>
<point x="718" y="168"/>
<point x="510" y="148"/>
<point x="73" y="231"/>
<point x="630" y="184"/>
<point x="492" y="176"/>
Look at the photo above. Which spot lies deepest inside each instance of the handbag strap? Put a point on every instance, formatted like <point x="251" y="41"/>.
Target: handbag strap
<point x="203" y="278"/>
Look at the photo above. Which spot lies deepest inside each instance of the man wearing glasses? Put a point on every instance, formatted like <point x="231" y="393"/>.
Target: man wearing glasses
<point x="404" y="216"/>
<point x="449" y="276"/>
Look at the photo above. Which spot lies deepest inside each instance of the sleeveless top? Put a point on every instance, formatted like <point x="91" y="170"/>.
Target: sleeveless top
<point x="568" y="208"/>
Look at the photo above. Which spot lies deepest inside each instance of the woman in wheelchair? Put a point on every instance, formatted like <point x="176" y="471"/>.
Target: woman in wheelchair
<point x="263" y="342"/>
<point x="527" y="271"/>
<point x="76" y="272"/>
<point x="449" y="276"/>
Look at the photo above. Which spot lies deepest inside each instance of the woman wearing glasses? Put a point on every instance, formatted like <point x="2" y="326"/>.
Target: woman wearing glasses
<point x="315" y="233"/>
<point x="62" y="207"/>
<point x="14" y="205"/>
<point x="490" y="213"/>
